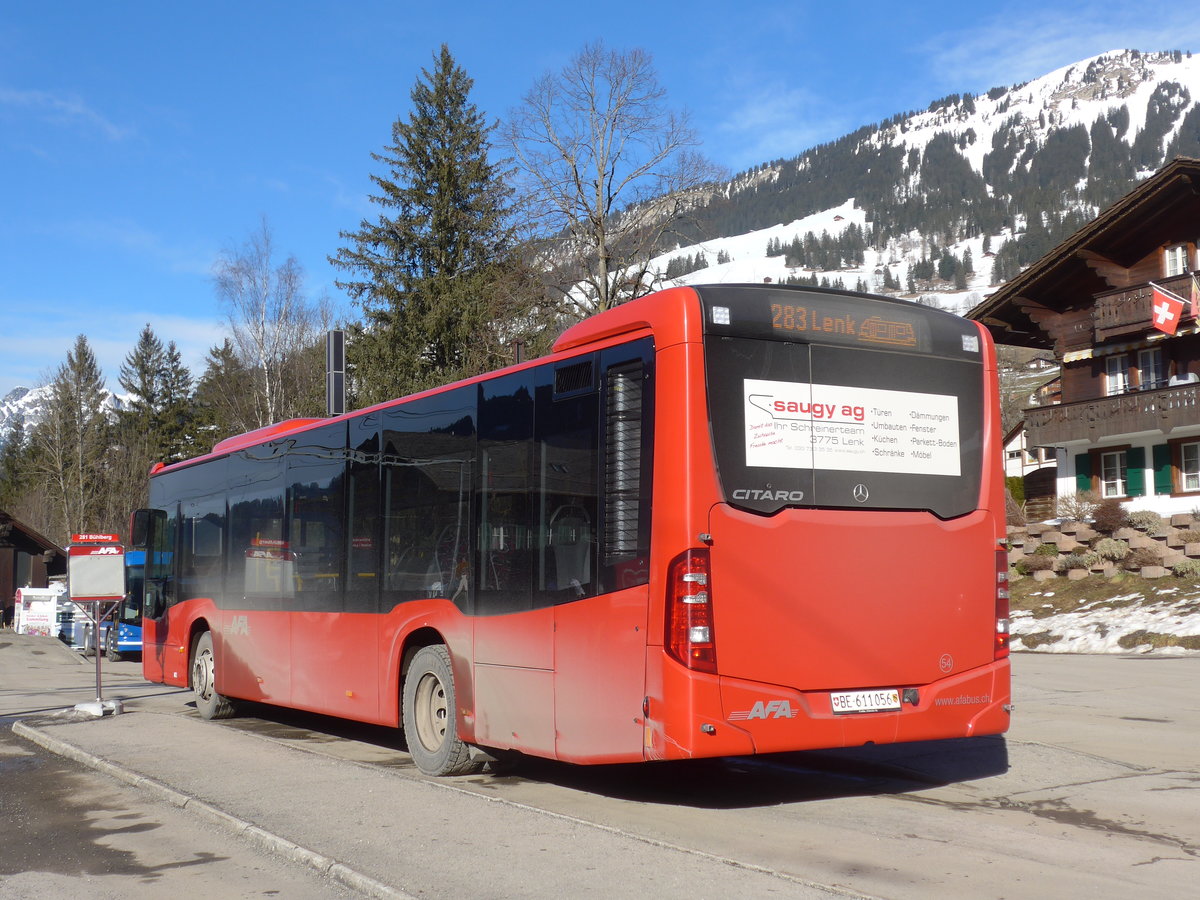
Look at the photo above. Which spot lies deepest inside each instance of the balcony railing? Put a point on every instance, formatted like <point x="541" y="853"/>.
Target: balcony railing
<point x="1118" y="313"/>
<point x="1125" y="414"/>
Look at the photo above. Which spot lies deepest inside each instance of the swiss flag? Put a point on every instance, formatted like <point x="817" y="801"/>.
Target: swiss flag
<point x="1165" y="310"/>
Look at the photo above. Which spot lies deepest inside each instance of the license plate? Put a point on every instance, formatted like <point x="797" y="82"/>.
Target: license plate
<point x="864" y="701"/>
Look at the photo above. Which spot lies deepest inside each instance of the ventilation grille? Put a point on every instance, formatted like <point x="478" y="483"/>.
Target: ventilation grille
<point x="575" y="377"/>
<point x="622" y="462"/>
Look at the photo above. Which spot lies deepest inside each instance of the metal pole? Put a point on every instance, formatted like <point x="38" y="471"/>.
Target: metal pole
<point x="96" y="638"/>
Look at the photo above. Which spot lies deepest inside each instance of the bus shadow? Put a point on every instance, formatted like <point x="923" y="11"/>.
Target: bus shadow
<point x="769" y="780"/>
<point x="729" y="783"/>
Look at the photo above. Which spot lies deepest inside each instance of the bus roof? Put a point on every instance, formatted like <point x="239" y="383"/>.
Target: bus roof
<point x="673" y="313"/>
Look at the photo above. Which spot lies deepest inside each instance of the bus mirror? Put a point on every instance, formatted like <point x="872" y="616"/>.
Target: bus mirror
<point x="139" y="528"/>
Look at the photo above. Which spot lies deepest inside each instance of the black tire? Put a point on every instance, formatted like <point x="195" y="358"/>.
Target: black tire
<point x="110" y="645"/>
<point x="209" y="703"/>
<point x="430" y="720"/>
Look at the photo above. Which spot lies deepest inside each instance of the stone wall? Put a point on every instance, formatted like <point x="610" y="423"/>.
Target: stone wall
<point x="1167" y="544"/>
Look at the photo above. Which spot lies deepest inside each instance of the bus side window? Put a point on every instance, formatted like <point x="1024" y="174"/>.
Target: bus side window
<point x="626" y="491"/>
<point x="202" y="549"/>
<point x="316" y="479"/>
<point x="363" y="496"/>
<point x="567" y="482"/>
<point x="427" y="458"/>
<point x="505" y="557"/>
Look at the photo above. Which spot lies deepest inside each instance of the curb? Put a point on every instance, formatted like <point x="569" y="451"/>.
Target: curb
<point x="260" y="837"/>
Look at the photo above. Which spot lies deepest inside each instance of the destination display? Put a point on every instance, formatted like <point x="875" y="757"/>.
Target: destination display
<point x="794" y="425"/>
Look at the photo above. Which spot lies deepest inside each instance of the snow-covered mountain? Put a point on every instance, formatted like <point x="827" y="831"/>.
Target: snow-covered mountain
<point x="27" y="407"/>
<point x="993" y="180"/>
<point x="24" y="405"/>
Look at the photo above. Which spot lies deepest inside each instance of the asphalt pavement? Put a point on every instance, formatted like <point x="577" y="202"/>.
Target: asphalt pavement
<point x="383" y="832"/>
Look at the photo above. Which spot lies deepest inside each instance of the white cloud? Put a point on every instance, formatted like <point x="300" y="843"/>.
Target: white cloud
<point x="39" y="340"/>
<point x="133" y="238"/>
<point x="63" y="110"/>
<point x="771" y="121"/>
<point x="1017" y="44"/>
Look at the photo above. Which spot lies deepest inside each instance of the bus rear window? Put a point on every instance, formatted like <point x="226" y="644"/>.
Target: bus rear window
<point x="814" y="425"/>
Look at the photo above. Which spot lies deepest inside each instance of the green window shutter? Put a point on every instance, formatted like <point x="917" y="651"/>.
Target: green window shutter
<point x="1083" y="472"/>
<point x="1163" y="482"/>
<point x="1135" y="472"/>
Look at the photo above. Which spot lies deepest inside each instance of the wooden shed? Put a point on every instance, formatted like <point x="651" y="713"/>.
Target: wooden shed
<point x="27" y="559"/>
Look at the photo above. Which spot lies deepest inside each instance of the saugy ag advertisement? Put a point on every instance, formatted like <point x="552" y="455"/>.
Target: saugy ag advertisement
<point x="823" y="426"/>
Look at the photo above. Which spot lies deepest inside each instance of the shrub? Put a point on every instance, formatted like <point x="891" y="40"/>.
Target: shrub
<point x="1079" y="507"/>
<point x="1190" y="536"/>
<point x="1109" y="516"/>
<point x="1146" y="520"/>
<point x="1014" y="512"/>
<point x="1046" y="550"/>
<point x="1031" y="564"/>
<point x="1078" y="560"/>
<point x="1016" y="488"/>
<point x="1111" y="549"/>
<point x="1142" y="556"/>
<point x="1189" y="568"/>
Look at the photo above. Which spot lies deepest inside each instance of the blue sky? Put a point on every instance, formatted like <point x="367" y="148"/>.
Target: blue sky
<point x="140" y="139"/>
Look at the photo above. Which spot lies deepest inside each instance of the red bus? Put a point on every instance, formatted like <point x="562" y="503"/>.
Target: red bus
<point x="717" y="520"/>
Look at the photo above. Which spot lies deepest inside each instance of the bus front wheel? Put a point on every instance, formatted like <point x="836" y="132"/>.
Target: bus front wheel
<point x="111" y="650"/>
<point x="210" y="704"/>
<point x="430" y="723"/>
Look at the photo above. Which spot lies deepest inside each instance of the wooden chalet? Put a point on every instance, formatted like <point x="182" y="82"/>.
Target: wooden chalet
<point x="1128" y="424"/>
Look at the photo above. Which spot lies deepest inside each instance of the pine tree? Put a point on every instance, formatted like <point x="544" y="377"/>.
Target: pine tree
<point x="425" y="272"/>
<point x="13" y="462"/>
<point x="159" y="388"/>
<point x="223" y="407"/>
<point x="176" y="412"/>
<point x="141" y="377"/>
<point x="71" y="441"/>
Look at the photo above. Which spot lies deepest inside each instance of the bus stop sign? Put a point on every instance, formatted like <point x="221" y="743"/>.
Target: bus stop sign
<point x="96" y="582"/>
<point x="96" y="571"/>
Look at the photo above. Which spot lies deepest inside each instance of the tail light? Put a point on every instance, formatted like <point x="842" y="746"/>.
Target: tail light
<point x="1002" y="621"/>
<point x="689" y="636"/>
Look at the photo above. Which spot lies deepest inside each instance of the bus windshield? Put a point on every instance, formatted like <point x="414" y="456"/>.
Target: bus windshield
<point x="863" y="406"/>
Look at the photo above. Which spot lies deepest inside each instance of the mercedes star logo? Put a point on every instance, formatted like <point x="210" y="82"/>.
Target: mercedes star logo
<point x="861" y="493"/>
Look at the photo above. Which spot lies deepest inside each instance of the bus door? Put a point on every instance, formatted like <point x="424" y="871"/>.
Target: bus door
<point x="154" y="530"/>
<point x="595" y="449"/>
<point x="335" y="655"/>
<point x="513" y="636"/>
<point x="253" y="626"/>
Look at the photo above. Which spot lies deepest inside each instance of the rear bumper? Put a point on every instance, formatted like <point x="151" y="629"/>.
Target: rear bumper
<point x="714" y="716"/>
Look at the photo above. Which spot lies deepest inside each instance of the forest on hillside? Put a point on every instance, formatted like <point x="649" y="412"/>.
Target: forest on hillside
<point x="468" y="256"/>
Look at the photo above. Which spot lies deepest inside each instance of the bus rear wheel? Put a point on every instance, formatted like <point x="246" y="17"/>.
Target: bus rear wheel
<point x="209" y="703"/>
<point x="430" y="720"/>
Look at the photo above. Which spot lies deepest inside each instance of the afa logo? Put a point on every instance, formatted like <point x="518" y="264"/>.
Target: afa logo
<point x="237" y="625"/>
<point x="766" y="709"/>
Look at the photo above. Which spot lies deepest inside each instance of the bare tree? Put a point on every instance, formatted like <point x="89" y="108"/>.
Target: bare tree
<point x="608" y="171"/>
<point x="272" y="325"/>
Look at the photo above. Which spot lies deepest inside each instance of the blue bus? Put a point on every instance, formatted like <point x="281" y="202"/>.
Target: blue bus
<point x="127" y="636"/>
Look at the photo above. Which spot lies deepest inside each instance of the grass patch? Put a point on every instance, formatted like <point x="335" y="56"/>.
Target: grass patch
<point x="1033" y="641"/>
<point x="1157" y="640"/>
<point x="1049" y="598"/>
